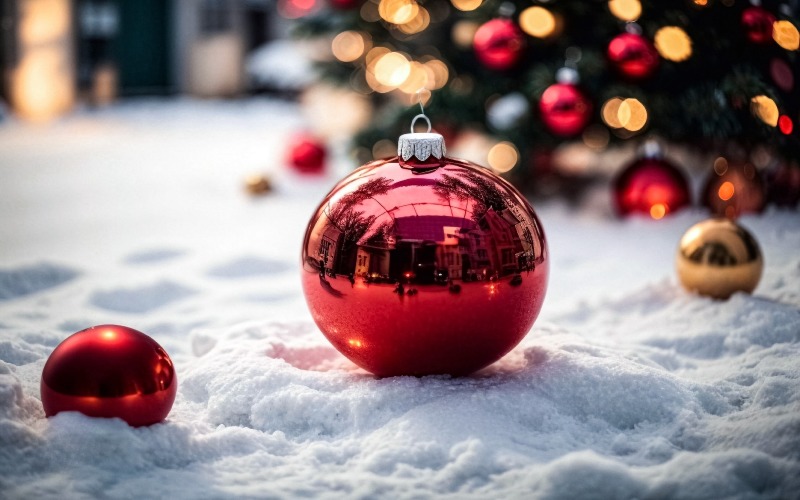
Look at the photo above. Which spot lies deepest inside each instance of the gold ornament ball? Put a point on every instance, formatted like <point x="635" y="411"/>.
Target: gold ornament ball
<point x="717" y="258"/>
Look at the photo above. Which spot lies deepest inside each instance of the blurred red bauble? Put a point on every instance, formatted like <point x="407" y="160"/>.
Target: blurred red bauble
<point x="650" y="186"/>
<point x="110" y="371"/>
<point x="422" y="264"/>
<point x="498" y="44"/>
<point x="345" y="4"/>
<point x="734" y="188"/>
<point x="307" y="155"/>
<point x="757" y="24"/>
<point x="633" y="56"/>
<point x="564" y="109"/>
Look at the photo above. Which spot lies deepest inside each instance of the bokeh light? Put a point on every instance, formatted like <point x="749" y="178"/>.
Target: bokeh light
<point x="295" y="9"/>
<point x="726" y="191"/>
<point x="673" y="43"/>
<point x="610" y="112"/>
<point x="392" y="69"/>
<point x="720" y="166"/>
<point x="503" y="157"/>
<point x="626" y="10"/>
<point x="438" y="74"/>
<point x="596" y="137"/>
<point x="348" y="46"/>
<point x="658" y="211"/>
<point x="463" y="33"/>
<point x="384" y="148"/>
<point x="398" y="11"/>
<point x="765" y="108"/>
<point x="466" y="5"/>
<point x="786" y="35"/>
<point x="632" y="115"/>
<point x="537" y="22"/>
<point x="418" y="24"/>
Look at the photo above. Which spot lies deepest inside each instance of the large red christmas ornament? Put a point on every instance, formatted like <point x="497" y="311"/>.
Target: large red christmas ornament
<point x="757" y="24"/>
<point x="110" y="371"/>
<point x="422" y="264"/>
<point x="564" y="109"/>
<point x="633" y="56"/>
<point x="307" y="155"/>
<point x="651" y="186"/>
<point x="498" y="44"/>
<point x="734" y="188"/>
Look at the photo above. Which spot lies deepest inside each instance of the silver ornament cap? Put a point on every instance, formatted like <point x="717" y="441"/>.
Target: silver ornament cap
<point x="421" y="145"/>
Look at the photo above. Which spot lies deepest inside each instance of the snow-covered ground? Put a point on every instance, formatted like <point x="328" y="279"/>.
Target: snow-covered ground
<point x="626" y="387"/>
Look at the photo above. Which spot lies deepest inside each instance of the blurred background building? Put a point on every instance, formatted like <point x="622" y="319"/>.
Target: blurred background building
<point x="59" y="52"/>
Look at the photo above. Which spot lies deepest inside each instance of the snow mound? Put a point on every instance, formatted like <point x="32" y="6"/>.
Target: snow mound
<point x="26" y="280"/>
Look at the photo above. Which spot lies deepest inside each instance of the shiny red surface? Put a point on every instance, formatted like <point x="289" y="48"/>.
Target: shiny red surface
<point x="439" y="269"/>
<point x="307" y="155"/>
<point x="110" y="371"/>
<point x="564" y="109"/>
<point x="757" y="24"/>
<point x="498" y="44"/>
<point x="648" y="182"/>
<point x="633" y="55"/>
<point x="744" y="192"/>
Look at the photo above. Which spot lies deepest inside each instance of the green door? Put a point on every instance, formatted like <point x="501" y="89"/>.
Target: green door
<point x="143" y="48"/>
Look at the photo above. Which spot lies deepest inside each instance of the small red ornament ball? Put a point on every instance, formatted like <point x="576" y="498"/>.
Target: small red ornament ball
<point x="734" y="188"/>
<point x="757" y="24"/>
<point x="564" y="109"/>
<point x="110" y="371"/>
<point x="307" y="155"/>
<point x="650" y="186"/>
<point x="498" y="44"/>
<point x="633" y="56"/>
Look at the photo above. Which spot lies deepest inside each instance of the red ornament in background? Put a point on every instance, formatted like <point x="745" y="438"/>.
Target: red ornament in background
<point x="345" y="4"/>
<point x="498" y="44"/>
<point x="651" y="186"/>
<point x="633" y="56"/>
<point x="564" y="109"/>
<point x="733" y="189"/>
<point x="110" y="371"/>
<point x="422" y="264"/>
<point x="757" y="24"/>
<point x="307" y="155"/>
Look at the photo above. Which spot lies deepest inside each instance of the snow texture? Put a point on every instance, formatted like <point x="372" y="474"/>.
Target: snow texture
<point x="626" y="387"/>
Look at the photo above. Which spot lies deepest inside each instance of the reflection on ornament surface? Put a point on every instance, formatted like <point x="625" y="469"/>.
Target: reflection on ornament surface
<point x="110" y="371"/>
<point x="424" y="267"/>
<point x="718" y="257"/>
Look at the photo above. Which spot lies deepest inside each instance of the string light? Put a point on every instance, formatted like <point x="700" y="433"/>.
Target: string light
<point x="503" y="157"/>
<point x="348" y="46"/>
<point x="466" y="5"/>
<point x="398" y="11"/>
<point x="765" y="108"/>
<point x="625" y="10"/>
<point x="673" y="43"/>
<point x="537" y="21"/>
<point x="786" y="35"/>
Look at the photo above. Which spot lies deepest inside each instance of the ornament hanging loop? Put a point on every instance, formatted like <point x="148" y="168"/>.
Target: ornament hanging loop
<point x="424" y="117"/>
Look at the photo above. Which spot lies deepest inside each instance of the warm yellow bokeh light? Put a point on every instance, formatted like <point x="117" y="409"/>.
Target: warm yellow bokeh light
<point x="417" y="79"/>
<point x="44" y="21"/>
<point x="466" y="5"/>
<point x="658" y="211"/>
<point x="632" y="115"/>
<point x="348" y="46"/>
<point x="503" y="157"/>
<point x="398" y="11"/>
<point x="438" y="74"/>
<point x="673" y="44"/>
<point x="701" y="3"/>
<point x="463" y="33"/>
<point x="626" y="10"/>
<point x="786" y="35"/>
<point x="392" y="69"/>
<point x="610" y="112"/>
<point x="537" y="21"/>
<point x="726" y="191"/>
<point x="418" y="23"/>
<point x="766" y="109"/>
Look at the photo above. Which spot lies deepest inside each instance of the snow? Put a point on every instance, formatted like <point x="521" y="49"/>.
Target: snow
<point x="626" y="387"/>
